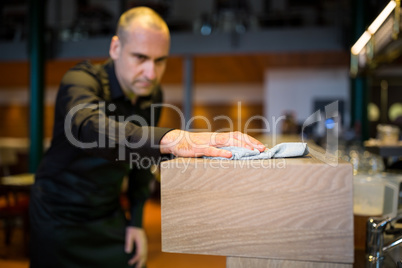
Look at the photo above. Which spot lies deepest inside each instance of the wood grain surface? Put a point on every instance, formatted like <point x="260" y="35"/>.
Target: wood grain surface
<point x="294" y="208"/>
<point x="237" y="262"/>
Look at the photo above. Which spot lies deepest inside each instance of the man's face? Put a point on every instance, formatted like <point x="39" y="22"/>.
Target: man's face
<point x="140" y="60"/>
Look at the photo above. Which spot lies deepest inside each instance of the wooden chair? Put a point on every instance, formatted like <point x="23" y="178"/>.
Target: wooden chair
<point x="14" y="205"/>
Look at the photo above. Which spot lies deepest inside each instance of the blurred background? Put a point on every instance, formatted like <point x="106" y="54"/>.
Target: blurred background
<point x="278" y="58"/>
<point x="269" y="59"/>
<point x="267" y="65"/>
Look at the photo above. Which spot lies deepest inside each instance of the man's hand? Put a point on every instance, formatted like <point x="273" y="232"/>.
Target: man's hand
<point x="135" y="235"/>
<point x="195" y="144"/>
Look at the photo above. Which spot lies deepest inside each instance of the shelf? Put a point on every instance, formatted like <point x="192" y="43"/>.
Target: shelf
<point x="274" y="40"/>
<point x="384" y="150"/>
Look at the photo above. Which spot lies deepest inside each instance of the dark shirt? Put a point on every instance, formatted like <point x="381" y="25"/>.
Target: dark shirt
<point x="99" y="136"/>
<point x="83" y="184"/>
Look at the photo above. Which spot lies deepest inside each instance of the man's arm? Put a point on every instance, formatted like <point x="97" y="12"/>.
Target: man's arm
<point x="87" y="125"/>
<point x="90" y="122"/>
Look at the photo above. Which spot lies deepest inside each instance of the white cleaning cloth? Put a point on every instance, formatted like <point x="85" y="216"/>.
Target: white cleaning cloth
<point x="286" y="149"/>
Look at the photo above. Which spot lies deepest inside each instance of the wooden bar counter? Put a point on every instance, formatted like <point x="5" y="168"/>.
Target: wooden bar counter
<point x="260" y="213"/>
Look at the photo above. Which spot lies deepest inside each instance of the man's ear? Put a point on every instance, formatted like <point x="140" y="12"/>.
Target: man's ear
<point x="115" y="46"/>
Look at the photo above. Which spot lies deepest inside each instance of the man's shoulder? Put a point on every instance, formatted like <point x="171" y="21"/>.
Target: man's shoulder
<point x="85" y="73"/>
<point x="96" y="70"/>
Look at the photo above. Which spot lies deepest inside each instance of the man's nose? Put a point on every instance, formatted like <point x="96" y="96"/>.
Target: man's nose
<point x="149" y="70"/>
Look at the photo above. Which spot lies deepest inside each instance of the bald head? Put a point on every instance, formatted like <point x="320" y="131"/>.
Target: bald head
<point x="143" y="17"/>
<point x="139" y="51"/>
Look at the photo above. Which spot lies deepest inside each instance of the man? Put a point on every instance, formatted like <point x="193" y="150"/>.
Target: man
<point x="103" y="116"/>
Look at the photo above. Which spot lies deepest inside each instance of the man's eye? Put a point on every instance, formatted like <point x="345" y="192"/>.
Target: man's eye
<point x="140" y="57"/>
<point x="160" y="61"/>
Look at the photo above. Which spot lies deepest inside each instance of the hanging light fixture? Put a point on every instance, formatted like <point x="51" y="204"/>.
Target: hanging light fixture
<point x="379" y="42"/>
